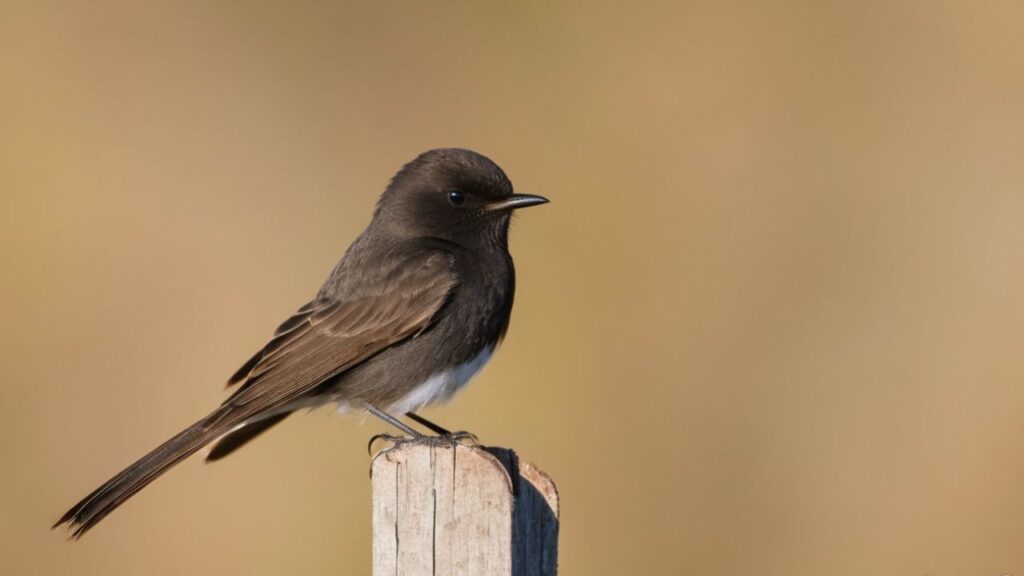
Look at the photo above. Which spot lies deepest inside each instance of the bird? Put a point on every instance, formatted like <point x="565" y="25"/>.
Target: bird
<point x="413" y="310"/>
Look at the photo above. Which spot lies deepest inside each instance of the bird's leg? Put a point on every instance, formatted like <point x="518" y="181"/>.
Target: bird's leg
<point x="443" y="433"/>
<point x="457" y="436"/>
<point x="393" y="421"/>
<point x="435" y="428"/>
<point x="413" y="434"/>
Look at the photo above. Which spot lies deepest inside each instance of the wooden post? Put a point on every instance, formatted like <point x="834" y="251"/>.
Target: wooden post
<point x="444" y="508"/>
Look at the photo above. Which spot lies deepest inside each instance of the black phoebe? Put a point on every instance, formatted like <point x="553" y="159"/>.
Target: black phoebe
<point x="411" y="312"/>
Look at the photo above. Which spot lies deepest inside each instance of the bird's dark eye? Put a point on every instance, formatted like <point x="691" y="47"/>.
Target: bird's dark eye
<point x="456" y="197"/>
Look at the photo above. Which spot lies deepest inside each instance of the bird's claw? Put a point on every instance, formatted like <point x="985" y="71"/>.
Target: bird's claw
<point x="385" y="437"/>
<point x="458" y="437"/>
<point x="463" y="437"/>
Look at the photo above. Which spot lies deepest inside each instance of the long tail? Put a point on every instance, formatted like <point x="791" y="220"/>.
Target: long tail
<point x="239" y="437"/>
<point x="102" y="501"/>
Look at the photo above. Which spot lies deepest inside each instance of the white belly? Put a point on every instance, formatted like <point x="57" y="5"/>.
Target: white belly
<point x="442" y="386"/>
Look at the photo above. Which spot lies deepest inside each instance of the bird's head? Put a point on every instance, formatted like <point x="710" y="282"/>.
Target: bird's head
<point x="453" y="194"/>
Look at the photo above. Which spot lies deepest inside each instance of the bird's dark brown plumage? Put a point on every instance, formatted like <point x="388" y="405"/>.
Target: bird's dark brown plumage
<point x="420" y="299"/>
<point x="332" y="336"/>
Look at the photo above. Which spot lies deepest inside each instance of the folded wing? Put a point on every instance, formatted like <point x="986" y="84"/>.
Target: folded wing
<point x="323" y="339"/>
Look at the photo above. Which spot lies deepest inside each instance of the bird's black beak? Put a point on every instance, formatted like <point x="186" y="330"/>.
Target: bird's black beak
<point x="516" y="201"/>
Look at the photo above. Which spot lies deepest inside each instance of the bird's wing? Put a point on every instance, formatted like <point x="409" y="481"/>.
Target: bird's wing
<point x="283" y="333"/>
<point x="322" y="340"/>
<point x="327" y="337"/>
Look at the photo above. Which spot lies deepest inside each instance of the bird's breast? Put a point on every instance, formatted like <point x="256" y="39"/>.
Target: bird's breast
<point x="443" y="385"/>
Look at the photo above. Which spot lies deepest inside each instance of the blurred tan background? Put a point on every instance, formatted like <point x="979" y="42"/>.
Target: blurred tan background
<point x="771" y="322"/>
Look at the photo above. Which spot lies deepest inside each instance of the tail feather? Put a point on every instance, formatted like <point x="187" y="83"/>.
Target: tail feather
<point x="237" y="438"/>
<point x="102" y="501"/>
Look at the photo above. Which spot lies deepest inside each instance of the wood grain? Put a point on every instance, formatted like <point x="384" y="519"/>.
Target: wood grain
<point x="444" y="508"/>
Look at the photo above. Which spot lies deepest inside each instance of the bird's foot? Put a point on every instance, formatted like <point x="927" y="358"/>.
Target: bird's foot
<point x="462" y="437"/>
<point x="459" y="437"/>
<point x="390" y="439"/>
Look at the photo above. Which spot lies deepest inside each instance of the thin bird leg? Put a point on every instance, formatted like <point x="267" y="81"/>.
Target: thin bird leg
<point x="435" y="428"/>
<point x="392" y="420"/>
<point x="458" y="436"/>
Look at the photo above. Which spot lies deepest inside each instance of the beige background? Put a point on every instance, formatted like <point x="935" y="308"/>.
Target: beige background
<point x="771" y="322"/>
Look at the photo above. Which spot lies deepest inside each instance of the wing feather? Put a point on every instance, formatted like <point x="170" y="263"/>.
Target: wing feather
<point x="326" y="338"/>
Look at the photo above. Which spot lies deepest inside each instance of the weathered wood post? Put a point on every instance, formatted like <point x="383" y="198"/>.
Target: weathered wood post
<point x="443" y="508"/>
